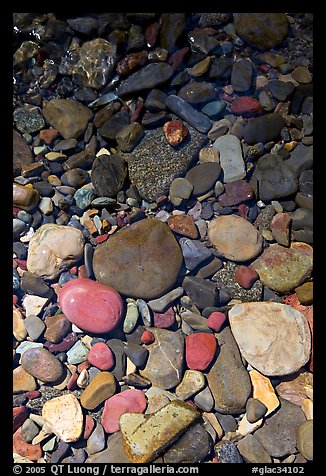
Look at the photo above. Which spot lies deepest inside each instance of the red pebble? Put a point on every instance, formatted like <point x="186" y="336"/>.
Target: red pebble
<point x="84" y="365"/>
<point x="102" y="238"/>
<point x="151" y="32"/>
<point x="89" y="426"/>
<point x="128" y="401"/>
<point x="226" y="97"/>
<point x="147" y="337"/>
<point x="200" y="350"/>
<point x="82" y="273"/>
<point x="264" y="68"/>
<point x="22" y="263"/>
<point x="33" y="394"/>
<point x="101" y="356"/>
<point x="216" y="320"/>
<point x="14" y="299"/>
<point x="19" y="415"/>
<point x="136" y="114"/>
<point x="48" y="135"/>
<point x="15" y="211"/>
<point x="177" y="57"/>
<point x="32" y="452"/>
<point x="246" y="106"/>
<point x="246" y="276"/>
<point x="243" y="210"/>
<point x="175" y="132"/>
<point x="165" y="319"/>
<point x="73" y="270"/>
<point x="72" y="382"/>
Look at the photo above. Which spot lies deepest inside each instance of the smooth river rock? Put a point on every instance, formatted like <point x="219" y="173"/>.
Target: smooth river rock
<point x="91" y="306"/>
<point x="231" y="159"/>
<point x="65" y="417"/>
<point x="166" y="359"/>
<point x="53" y="248"/>
<point x="235" y="238"/>
<point x="274" y="338"/>
<point x="283" y="269"/>
<point x="263" y="30"/>
<point x="134" y="260"/>
<point x="41" y="364"/>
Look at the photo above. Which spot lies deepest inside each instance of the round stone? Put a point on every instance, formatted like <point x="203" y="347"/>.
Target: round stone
<point x="101" y="356"/>
<point x="305" y="439"/>
<point x="134" y="260"/>
<point x="57" y="327"/>
<point x="203" y="177"/>
<point x="235" y="238"/>
<point x="200" y="350"/>
<point x="147" y="337"/>
<point x="274" y="338"/>
<point x="53" y="248"/>
<point x="42" y="365"/>
<point x="82" y="299"/>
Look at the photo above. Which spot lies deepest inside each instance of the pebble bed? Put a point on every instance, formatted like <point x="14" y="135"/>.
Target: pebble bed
<point x="163" y="238"/>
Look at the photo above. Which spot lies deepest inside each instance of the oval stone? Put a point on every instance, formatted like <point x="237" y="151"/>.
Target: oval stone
<point x="91" y="306"/>
<point x="235" y="238"/>
<point x="274" y="338"/>
<point x="100" y="388"/>
<point x="41" y="364"/>
<point x="142" y="260"/>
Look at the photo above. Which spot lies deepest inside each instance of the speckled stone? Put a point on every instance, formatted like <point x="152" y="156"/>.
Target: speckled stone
<point x="154" y="164"/>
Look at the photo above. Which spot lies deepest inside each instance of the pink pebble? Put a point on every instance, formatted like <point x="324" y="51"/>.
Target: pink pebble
<point x="14" y="299"/>
<point x="147" y="337"/>
<point x="200" y="350"/>
<point x="246" y="276"/>
<point x="101" y="356"/>
<point x="215" y="321"/>
<point x="82" y="366"/>
<point x="92" y="306"/>
<point x="72" y="382"/>
<point x="19" y="416"/>
<point x="89" y="426"/>
<point x="126" y="402"/>
<point x="165" y="319"/>
<point x="33" y="394"/>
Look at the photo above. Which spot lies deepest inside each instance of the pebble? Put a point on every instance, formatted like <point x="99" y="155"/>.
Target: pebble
<point x="204" y="399"/>
<point x="117" y="347"/>
<point x="216" y="320"/>
<point x="296" y="388"/>
<point x="114" y="452"/>
<point x="246" y="276"/>
<point x="280" y="90"/>
<point x="263" y="391"/>
<point x="137" y="431"/>
<point x="255" y="410"/>
<point x="227" y="452"/>
<point x="280" y="228"/>
<point x="180" y="188"/>
<point x="148" y="77"/>
<point x="243" y="243"/>
<point x="22" y="154"/>
<point x="175" y="132"/>
<point x="57" y="327"/>
<point x="200" y="350"/>
<point x="130" y="272"/>
<point x="231" y="160"/>
<point x="302" y="75"/>
<point x="137" y="354"/>
<point x="242" y="75"/>
<point x="166" y="359"/>
<point x="203" y="177"/>
<point x="69" y="428"/>
<point x="263" y="30"/>
<point x="52" y="249"/>
<point x="18" y="325"/>
<point x="253" y="451"/>
<point x="183" y="225"/>
<point x="29" y="430"/>
<point x="128" y="401"/>
<point x="193" y="381"/>
<point x="101" y="356"/>
<point x="96" y="441"/>
<point x="287" y="329"/>
<point x="100" y="388"/>
<point x="129" y="136"/>
<point x="197" y="92"/>
<point x="263" y="129"/>
<point x="108" y="175"/>
<point x="147" y="337"/>
<point x="304" y="434"/>
<point x="202" y="292"/>
<point x="194" y="253"/>
<point x="31" y="452"/>
<point x="228" y="379"/>
<point x="186" y="112"/>
<point x="131" y="317"/>
<point x="25" y="197"/>
<point x="70" y="118"/>
<point x="305" y="293"/>
<point x="161" y="305"/>
<point x="33" y="305"/>
<point x="80" y="298"/>
<point x="290" y="266"/>
<point x="34" y="326"/>
<point x="42" y="365"/>
<point x="77" y="353"/>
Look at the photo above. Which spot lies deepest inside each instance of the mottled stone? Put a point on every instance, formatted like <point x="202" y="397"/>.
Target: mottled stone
<point x="133" y="260"/>
<point x="183" y="225"/>
<point x="41" y="364"/>
<point x="202" y="292"/>
<point x="193" y="381"/>
<point x="57" y="327"/>
<point x="263" y="30"/>
<point x="22" y="154"/>
<point x="296" y="387"/>
<point x="25" y="197"/>
<point x="65" y="417"/>
<point x="70" y="118"/>
<point x="274" y="338"/>
<point x="128" y="401"/>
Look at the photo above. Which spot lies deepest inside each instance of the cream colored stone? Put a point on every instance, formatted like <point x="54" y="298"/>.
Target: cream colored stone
<point x="33" y="305"/>
<point x="145" y="437"/>
<point x="23" y="381"/>
<point x="245" y="427"/>
<point x="18" y="327"/>
<point x="263" y="390"/>
<point x="64" y="415"/>
<point x="307" y="407"/>
<point x="83" y="379"/>
<point x="214" y="422"/>
<point x="53" y="248"/>
<point x="17" y="459"/>
<point x="274" y="338"/>
<point x="63" y="384"/>
<point x="130" y="367"/>
<point x="192" y="382"/>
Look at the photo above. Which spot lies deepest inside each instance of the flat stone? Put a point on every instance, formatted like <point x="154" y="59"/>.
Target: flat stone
<point x="25" y="196"/>
<point x="228" y="379"/>
<point x="235" y="238"/>
<point x="42" y="365"/>
<point x="171" y="27"/>
<point x="166" y="359"/>
<point x="204" y="400"/>
<point x="128" y="401"/>
<point x="26" y="450"/>
<point x="108" y="174"/>
<point x="148" y="77"/>
<point x="160" y="305"/>
<point x="283" y="269"/>
<point x="128" y="137"/>
<point x="192" y="447"/>
<point x="133" y="260"/>
<point x="242" y="74"/>
<point x="117" y="347"/>
<point x="235" y="193"/>
<point x="28" y="120"/>
<point x="53" y="248"/>
<point x="142" y="443"/>
<point x="185" y="111"/>
<point x="33" y="305"/>
<point x="200" y="350"/>
<point x="183" y="225"/>
<point x="263" y="30"/>
<point x="57" y="327"/>
<point x="227" y="452"/>
<point x="202" y="292"/>
<point x="203" y="177"/>
<point x="264" y="331"/>
<point x="131" y="317"/>
<point x="69" y="428"/>
<point x="302" y="75"/>
<point x="246" y="276"/>
<point x="18" y="327"/>
<point x="82" y="297"/>
<point x="273" y="178"/>
<point x="280" y="228"/>
<point x="278" y="434"/>
<point x="197" y="92"/>
<point x="264" y="129"/>
<point x="305" y="439"/>
<point x="264" y="392"/>
<point x="231" y="159"/>
<point x="137" y="354"/>
<point x="100" y="388"/>
<point x="101" y="356"/>
<point x="301" y="159"/>
<point x="77" y="353"/>
<point x="70" y="118"/>
<point x="252" y="451"/>
<point x="194" y="253"/>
